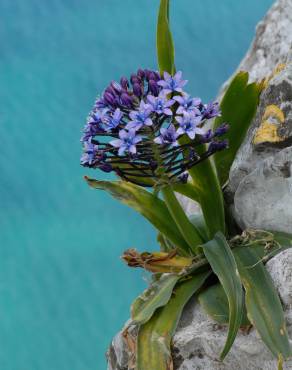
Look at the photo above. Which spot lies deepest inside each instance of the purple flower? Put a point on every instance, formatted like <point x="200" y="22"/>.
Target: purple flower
<point x="188" y="124"/>
<point x="89" y="153"/>
<point x="126" y="99"/>
<point x="211" y="110"/>
<point x="221" y="130"/>
<point x="172" y="83"/>
<point x="167" y="136"/>
<point x="127" y="142"/>
<point x="216" y="146"/>
<point x="188" y="104"/>
<point x="124" y="83"/>
<point x="140" y="117"/>
<point x="160" y="104"/>
<point x="183" y="178"/>
<point x="153" y="87"/>
<point x="207" y="137"/>
<point x="113" y="121"/>
<point x="98" y="116"/>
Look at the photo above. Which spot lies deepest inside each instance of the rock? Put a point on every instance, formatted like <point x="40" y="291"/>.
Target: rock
<point x="272" y="42"/>
<point x="199" y="340"/>
<point x="263" y="199"/>
<point x="265" y="148"/>
<point x="270" y="131"/>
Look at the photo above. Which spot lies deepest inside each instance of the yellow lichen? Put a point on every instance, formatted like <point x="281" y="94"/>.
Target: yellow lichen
<point x="277" y="70"/>
<point x="273" y="117"/>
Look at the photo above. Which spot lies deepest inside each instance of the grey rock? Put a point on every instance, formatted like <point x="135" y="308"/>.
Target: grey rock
<point x="272" y="42"/>
<point x="270" y="131"/>
<point x="199" y="341"/>
<point x="263" y="199"/>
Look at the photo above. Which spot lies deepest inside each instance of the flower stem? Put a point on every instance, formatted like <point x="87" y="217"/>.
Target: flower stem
<point x="187" y="229"/>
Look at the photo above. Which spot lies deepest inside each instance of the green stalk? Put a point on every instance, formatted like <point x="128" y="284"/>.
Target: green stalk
<point x="187" y="229"/>
<point x="206" y="183"/>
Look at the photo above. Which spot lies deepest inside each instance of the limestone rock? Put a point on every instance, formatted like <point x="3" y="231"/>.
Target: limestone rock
<point x="271" y="130"/>
<point x="263" y="199"/>
<point x="199" y="340"/>
<point x="272" y="42"/>
<point x="265" y="158"/>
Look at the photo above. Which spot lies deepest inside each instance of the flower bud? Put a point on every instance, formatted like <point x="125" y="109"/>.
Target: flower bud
<point x="109" y="98"/>
<point x="124" y="83"/>
<point x="153" y="87"/>
<point x="141" y="73"/>
<point x="126" y="99"/>
<point x="137" y="89"/>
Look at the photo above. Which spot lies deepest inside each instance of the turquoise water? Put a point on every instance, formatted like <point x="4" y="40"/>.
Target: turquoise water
<point x="63" y="290"/>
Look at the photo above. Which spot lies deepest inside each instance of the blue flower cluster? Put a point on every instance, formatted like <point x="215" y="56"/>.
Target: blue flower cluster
<point x="148" y="127"/>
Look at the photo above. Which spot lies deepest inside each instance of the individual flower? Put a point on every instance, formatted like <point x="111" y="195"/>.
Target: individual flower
<point x="188" y="104"/>
<point x="210" y="110"/>
<point x="172" y="83"/>
<point x="167" y="136"/>
<point x="140" y="117"/>
<point x="188" y="124"/>
<point x="89" y="153"/>
<point x="160" y="104"/>
<point x="216" y="146"/>
<point x="127" y="142"/>
<point x="113" y="121"/>
<point x="98" y="116"/>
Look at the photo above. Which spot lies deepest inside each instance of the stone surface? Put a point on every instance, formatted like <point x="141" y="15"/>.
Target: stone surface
<point x="199" y="340"/>
<point x="259" y="194"/>
<point x="260" y="173"/>
<point x="272" y="42"/>
<point x="263" y="199"/>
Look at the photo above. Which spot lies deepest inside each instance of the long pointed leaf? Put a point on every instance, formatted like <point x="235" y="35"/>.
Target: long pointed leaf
<point x="206" y="184"/>
<point x="154" y="337"/>
<point x="238" y="108"/>
<point x="164" y="41"/>
<point x="207" y="191"/>
<point x="221" y="259"/>
<point x="157" y="295"/>
<point x="144" y="202"/>
<point x="215" y="303"/>
<point x="262" y="301"/>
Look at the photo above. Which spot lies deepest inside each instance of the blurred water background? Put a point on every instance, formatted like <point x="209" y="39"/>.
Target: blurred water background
<point x="63" y="290"/>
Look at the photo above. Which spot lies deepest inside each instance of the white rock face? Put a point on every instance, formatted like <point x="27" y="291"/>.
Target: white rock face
<point x="263" y="199"/>
<point x="272" y="42"/>
<point x="260" y="196"/>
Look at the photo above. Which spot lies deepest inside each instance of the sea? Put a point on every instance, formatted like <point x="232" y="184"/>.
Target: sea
<point x="64" y="291"/>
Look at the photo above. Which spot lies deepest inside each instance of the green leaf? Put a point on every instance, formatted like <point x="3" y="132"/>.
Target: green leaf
<point x="187" y="229"/>
<point x="221" y="259"/>
<point x="200" y="223"/>
<point x="164" y="41"/>
<point x="154" y="337"/>
<point x="284" y="239"/>
<point x="144" y="202"/>
<point x="157" y="295"/>
<point x="215" y="303"/>
<point x="262" y="302"/>
<point x="206" y="185"/>
<point x="238" y="108"/>
<point x="207" y="191"/>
